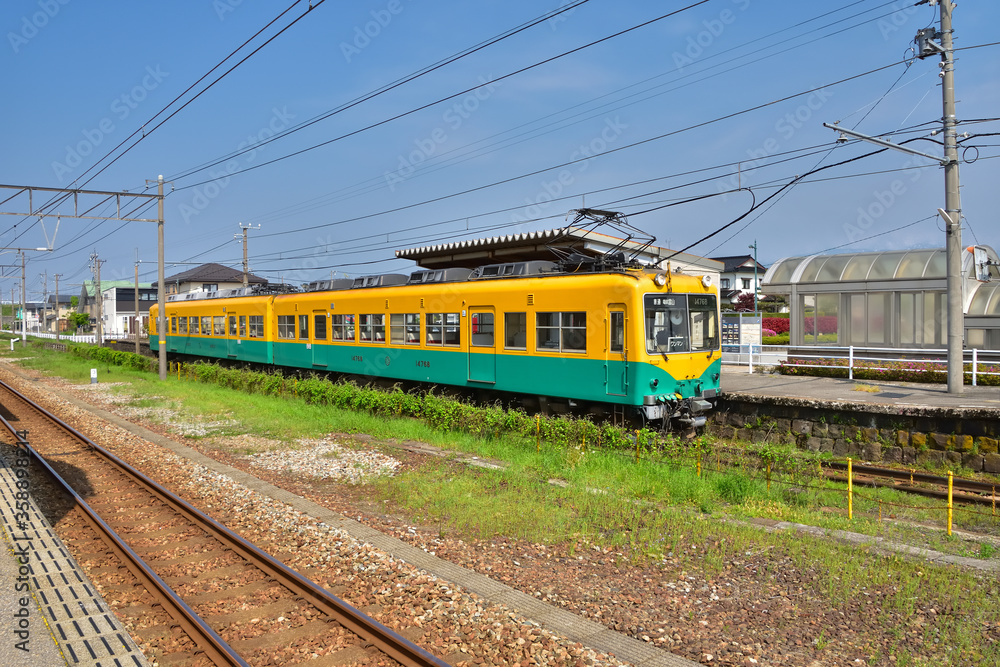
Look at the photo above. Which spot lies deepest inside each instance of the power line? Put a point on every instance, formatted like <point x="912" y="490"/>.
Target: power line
<point x="443" y="99"/>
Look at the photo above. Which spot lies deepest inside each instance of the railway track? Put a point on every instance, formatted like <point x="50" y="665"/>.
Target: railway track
<point x="206" y="595"/>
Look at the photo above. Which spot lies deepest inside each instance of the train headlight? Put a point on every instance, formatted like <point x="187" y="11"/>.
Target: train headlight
<point x="706" y="281"/>
<point x="660" y="279"/>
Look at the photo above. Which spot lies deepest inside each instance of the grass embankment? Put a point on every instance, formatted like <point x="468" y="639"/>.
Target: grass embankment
<point x="676" y="499"/>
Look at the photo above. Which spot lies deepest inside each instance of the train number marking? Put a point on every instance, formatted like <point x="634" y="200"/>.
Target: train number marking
<point x="357" y="357"/>
<point x="423" y="364"/>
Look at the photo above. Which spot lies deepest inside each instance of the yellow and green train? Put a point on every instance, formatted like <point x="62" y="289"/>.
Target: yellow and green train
<point x="634" y="340"/>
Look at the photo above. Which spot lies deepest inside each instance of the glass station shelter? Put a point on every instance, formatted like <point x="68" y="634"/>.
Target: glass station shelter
<point x="891" y="299"/>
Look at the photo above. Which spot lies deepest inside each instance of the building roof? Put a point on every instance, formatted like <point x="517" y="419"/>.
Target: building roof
<point x="89" y="287"/>
<point x="734" y="263"/>
<point x="538" y="245"/>
<point x="212" y="273"/>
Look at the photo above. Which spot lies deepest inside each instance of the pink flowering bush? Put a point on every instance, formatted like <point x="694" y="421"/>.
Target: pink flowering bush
<point x="907" y="371"/>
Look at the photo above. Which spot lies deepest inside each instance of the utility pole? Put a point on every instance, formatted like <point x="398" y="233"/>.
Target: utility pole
<point x="100" y="298"/>
<point x="57" y="276"/>
<point x="135" y="321"/>
<point x="246" y="262"/>
<point x="754" y="247"/>
<point x="24" y="307"/>
<point x="45" y="301"/>
<point x="161" y="294"/>
<point x="952" y="211"/>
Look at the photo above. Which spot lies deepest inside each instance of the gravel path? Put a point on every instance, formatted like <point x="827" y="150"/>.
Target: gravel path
<point x="756" y="607"/>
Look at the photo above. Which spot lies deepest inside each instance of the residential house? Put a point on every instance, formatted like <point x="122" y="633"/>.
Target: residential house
<point x="208" y="278"/>
<point x="740" y="274"/>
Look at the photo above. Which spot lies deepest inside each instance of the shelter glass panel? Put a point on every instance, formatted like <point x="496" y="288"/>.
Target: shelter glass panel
<point x="858" y="267"/>
<point x="913" y="264"/>
<point x="811" y="270"/>
<point x="907" y="319"/>
<point x="859" y="333"/>
<point x="783" y="273"/>
<point x="937" y="267"/>
<point x="884" y="267"/>
<point x="878" y="317"/>
<point x="832" y="269"/>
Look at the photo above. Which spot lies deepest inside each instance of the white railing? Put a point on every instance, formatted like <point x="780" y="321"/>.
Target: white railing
<point x="80" y="338"/>
<point x="850" y="358"/>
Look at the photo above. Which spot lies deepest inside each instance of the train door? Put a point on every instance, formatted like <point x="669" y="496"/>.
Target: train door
<point x="616" y="353"/>
<point x="320" y="336"/>
<point x="233" y="342"/>
<point x="482" y="345"/>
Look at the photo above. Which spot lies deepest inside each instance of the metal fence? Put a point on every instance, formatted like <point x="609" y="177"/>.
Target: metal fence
<point x="977" y="362"/>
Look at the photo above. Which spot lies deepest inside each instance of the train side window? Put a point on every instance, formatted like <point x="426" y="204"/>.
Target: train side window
<point x="286" y="326"/>
<point x="452" y="329"/>
<point x="243" y="326"/>
<point x="482" y="329"/>
<point x="303" y="327"/>
<point x="617" y="331"/>
<point x="404" y="328"/>
<point x="206" y="325"/>
<point x="173" y="325"/>
<point x="220" y="325"/>
<point x="182" y="326"/>
<point x="574" y="332"/>
<point x="343" y="327"/>
<point x="561" y="332"/>
<point x="256" y="326"/>
<point x="372" y="327"/>
<point x="195" y="329"/>
<point x="319" y="326"/>
<point x="515" y="331"/>
<point x="232" y="325"/>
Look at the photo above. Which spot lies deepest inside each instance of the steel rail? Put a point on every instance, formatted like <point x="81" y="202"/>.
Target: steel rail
<point x="214" y="647"/>
<point x="969" y="485"/>
<point x="380" y="636"/>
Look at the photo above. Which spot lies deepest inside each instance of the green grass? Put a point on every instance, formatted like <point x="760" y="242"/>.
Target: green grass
<point x="653" y="512"/>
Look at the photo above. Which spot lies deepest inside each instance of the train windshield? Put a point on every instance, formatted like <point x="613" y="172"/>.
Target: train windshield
<point x="681" y="323"/>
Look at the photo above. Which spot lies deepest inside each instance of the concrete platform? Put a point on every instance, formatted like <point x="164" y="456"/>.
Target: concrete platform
<point x="51" y="613"/>
<point x="737" y="380"/>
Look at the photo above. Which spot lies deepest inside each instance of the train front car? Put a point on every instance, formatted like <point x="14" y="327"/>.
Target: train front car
<point x="678" y="348"/>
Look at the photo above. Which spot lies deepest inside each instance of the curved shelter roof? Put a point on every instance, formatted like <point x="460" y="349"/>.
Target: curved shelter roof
<point x="867" y="267"/>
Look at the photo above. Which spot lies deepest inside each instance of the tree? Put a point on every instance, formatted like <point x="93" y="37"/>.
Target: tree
<point x="74" y="301"/>
<point x="78" y="320"/>
<point x="745" y="303"/>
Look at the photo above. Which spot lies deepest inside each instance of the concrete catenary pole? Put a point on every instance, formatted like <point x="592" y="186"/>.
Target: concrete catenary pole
<point x="161" y="298"/>
<point x="57" y="305"/>
<point x="136" y="320"/>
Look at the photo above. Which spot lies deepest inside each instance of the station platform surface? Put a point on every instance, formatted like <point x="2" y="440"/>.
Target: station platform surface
<point x="738" y="380"/>
<point x="51" y="612"/>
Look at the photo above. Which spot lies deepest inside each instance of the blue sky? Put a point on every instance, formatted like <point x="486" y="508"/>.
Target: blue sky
<point x="725" y="95"/>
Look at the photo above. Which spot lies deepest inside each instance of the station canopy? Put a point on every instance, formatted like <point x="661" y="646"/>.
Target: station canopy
<point x="529" y="246"/>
